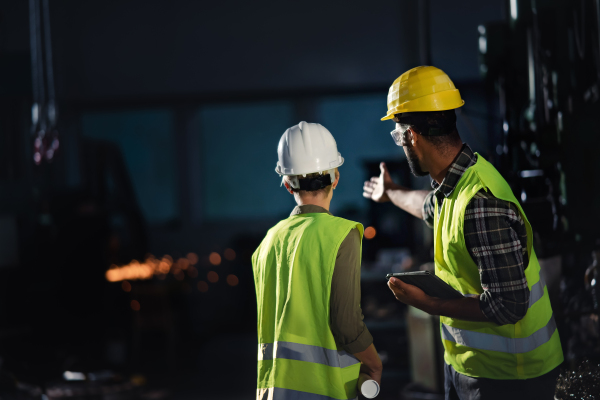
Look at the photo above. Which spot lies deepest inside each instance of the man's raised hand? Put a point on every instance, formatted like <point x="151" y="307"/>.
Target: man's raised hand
<point x="375" y="189"/>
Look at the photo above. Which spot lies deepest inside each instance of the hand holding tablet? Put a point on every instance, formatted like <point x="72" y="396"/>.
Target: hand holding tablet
<point x="429" y="283"/>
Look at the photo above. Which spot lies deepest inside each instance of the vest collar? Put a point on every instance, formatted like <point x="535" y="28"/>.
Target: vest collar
<point x="465" y="159"/>
<point x="308" y="209"/>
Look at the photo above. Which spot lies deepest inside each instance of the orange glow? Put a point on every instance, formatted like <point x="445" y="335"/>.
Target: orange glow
<point x="126" y="286"/>
<point x="135" y="305"/>
<point x="229" y="254"/>
<point x="183" y="263"/>
<point x="164" y="267"/>
<point x="136" y="270"/>
<point x="192" y="272"/>
<point x="212" y="277"/>
<point x="370" y="232"/>
<point x="232" y="280"/>
<point x="203" y="286"/>
<point x="179" y="275"/>
<point x="131" y="271"/>
<point x="193" y="257"/>
<point x="214" y="258"/>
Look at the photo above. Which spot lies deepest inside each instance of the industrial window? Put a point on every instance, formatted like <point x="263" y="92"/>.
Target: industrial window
<point x="239" y="148"/>
<point x="146" y="141"/>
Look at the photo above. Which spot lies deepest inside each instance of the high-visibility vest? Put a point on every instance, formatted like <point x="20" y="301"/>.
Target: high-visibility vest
<point x="297" y="355"/>
<point x="527" y="349"/>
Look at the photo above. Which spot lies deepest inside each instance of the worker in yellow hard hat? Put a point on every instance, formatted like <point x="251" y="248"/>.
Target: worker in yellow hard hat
<point x="500" y="339"/>
<point x="422" y="89"/>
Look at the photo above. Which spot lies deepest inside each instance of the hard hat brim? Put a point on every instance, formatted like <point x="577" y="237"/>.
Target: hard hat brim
<point x="443" y="101"/>
<point x="338" y="164"/>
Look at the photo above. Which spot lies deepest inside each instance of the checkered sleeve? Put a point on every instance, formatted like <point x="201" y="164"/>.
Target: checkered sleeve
<point x="496" y="238"/>
<point x="429" y="209"/>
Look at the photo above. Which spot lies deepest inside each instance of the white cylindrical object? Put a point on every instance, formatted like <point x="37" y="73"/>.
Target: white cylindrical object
<point x="369" y="389"/>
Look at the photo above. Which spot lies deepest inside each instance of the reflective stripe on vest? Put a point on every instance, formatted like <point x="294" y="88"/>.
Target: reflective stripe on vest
<point x="305" y="352"/>
<point x="289" y="394"/>
<point x="524" y="350"/>
<point x="488" y="341"/>
<point x="535" y="293"/>
<point x="293" y="268"/>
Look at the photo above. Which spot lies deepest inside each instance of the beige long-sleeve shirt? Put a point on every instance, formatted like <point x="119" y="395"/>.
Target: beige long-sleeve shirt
<point x="346" y="317"/>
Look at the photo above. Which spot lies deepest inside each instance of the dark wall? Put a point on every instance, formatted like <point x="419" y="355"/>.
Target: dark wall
<point x="113" y="49"/>
<point x="154" y="48"/>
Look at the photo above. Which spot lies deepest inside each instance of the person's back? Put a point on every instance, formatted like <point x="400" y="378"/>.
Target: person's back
<point x="293" y="268"/>
<point x="306" y="271"/>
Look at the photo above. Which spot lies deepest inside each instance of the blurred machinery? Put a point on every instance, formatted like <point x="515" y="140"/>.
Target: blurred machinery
<point x="543" y="67"/>
<point x="61" y="233"/>
<point x="541" y="73"/>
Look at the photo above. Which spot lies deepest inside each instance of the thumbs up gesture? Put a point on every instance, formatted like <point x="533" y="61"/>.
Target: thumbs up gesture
<point x="376" y="188"/>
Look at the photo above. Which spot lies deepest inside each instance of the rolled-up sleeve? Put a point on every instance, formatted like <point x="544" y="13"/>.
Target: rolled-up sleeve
<point x="429" y="209"/>
<point x="496" y="238"/>
<point x="346" y="317"/>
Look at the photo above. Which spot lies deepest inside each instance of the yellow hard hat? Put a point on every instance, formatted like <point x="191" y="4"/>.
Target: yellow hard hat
<point x="422" y="89"/>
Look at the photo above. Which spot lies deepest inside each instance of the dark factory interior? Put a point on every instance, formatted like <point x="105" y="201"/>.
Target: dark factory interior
<point x="138" y="141"/>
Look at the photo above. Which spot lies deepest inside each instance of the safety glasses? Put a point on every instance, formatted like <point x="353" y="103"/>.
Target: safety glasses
<point x="399" y="135"/>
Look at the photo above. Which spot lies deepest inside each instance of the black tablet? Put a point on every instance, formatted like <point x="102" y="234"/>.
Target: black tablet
<point x="429" y="283"/>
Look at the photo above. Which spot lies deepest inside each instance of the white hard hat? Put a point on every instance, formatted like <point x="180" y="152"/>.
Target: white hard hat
<point x="307" y="148"/>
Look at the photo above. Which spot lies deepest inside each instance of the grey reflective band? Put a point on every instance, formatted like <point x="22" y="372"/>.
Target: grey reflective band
<point x="488" y="341"/>
<point x="289" y="394"/>
<point x="306" y="352"/>
<point x="537" y="291"/>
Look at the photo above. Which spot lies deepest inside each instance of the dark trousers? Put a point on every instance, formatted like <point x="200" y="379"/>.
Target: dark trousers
<point x="462" y="387"/>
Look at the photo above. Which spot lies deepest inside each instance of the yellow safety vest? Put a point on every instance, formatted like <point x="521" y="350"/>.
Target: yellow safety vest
<point x="526" y="349"/>
<point x="297" y="354"/>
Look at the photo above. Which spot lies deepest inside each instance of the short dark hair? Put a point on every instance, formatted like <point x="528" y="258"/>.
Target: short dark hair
<point x="314" y="193"/>
<point x="436" y="127"/>
<point x="442" y="142"/>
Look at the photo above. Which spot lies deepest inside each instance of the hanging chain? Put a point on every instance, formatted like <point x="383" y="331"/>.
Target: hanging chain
<point x="43" y="110"/>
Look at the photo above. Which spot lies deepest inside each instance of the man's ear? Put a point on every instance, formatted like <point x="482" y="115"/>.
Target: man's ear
<point x="337" y="180"/>
<point x="288" y="187"/>
<point x="413" y="137"/>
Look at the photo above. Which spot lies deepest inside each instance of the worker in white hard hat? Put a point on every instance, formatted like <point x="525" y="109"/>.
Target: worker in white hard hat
<point x="312" y="338"/>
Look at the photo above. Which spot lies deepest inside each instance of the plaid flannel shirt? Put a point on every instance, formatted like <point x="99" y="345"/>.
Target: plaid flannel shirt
<point x="496" y="238"/>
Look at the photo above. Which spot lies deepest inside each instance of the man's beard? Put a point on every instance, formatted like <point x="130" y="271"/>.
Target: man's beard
<point x="413" y="162"/>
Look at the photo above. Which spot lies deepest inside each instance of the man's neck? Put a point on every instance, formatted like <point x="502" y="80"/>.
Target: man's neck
<point x="442" y="164"/>
<point x="315" y="202"/>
